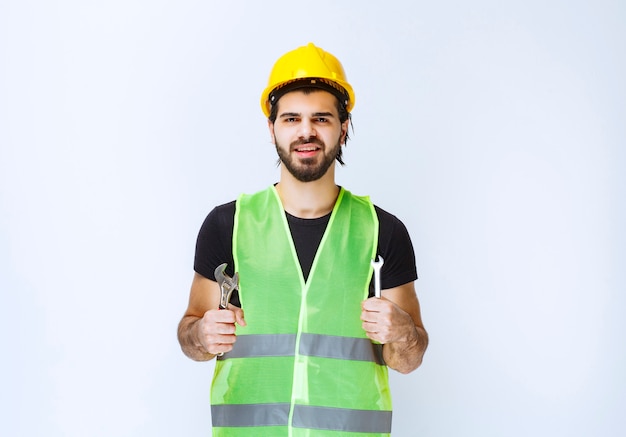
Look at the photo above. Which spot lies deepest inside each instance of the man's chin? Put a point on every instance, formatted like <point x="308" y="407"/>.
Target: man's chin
<point x="307" y="173"/>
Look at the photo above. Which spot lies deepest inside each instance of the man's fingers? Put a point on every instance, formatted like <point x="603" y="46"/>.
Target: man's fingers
<point x="238" y="315"/>
<point x="217" y="329"/>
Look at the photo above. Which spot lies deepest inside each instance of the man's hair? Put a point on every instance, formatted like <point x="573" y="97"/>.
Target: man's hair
<point x="341" y="109"/>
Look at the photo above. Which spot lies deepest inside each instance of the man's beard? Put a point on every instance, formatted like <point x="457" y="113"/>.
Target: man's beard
<point x="307" y="169"/>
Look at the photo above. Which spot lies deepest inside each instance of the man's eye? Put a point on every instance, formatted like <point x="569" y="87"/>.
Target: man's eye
<point x="322" y="119"/>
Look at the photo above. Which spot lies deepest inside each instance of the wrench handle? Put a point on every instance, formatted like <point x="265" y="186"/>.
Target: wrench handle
<point x="226" y="292"/>
<point x="221" y="307"/>
<point x="377" y="265"/>
<point x="377" y="292"/>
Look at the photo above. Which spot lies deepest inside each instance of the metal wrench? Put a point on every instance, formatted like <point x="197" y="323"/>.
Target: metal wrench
<point x="227" y="284"/>
<point x="377" y="264"/>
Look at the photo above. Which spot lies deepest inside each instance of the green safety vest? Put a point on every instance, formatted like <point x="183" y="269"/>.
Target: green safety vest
<point x="303" y="365"/>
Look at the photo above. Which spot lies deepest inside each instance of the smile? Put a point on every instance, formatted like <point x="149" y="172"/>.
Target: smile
<point x="307" y="149"/>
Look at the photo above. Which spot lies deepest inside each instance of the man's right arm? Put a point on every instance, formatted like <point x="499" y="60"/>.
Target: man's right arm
<point x="205" y="330"/>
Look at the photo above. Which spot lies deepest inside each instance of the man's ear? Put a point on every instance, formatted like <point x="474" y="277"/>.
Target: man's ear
<point x="270" y="126"/>
<point x="344" y="131"/>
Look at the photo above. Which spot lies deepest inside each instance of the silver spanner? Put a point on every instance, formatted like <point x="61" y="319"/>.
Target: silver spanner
<point x="377" y="264"/>
<point x="227" y="284"/>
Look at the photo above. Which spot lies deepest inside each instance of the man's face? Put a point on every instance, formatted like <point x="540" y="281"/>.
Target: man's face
<point x="307" y="133"/>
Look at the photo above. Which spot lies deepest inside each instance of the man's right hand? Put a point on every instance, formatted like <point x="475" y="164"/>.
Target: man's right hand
<point x="215" y="331"/>
<point x="205" y="331"/>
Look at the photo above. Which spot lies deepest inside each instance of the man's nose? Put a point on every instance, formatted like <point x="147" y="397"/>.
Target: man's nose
<point x="307" y="129"/>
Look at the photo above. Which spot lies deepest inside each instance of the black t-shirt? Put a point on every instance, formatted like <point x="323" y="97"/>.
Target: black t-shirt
<point x="214" y="245"/>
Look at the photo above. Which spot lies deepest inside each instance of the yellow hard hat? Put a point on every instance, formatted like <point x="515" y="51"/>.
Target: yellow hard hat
<point x="307" y="66"/>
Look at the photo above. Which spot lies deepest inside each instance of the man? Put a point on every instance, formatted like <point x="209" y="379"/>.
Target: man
<point x="310" y="357"/>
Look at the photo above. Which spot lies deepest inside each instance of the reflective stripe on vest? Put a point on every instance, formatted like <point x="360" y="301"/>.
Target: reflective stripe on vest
<point x="302" y="365"/>
<point x="247" y="415"/>
<point x="305" y="416"/>
<point x="313" y="345"/>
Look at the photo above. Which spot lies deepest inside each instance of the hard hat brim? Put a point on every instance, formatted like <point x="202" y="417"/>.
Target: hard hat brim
<point x="274" y="94"/>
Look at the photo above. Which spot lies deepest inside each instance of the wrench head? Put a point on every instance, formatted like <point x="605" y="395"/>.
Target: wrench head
<point x="226" y="283"/>
<point x="224" y="280"/>
<point x="220" y="276"/>
<point x="235" y="281"/>
<point x="378" y="262"/>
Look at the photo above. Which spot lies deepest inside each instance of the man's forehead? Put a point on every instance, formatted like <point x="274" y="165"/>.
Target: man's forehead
<point x="314" y="100"/>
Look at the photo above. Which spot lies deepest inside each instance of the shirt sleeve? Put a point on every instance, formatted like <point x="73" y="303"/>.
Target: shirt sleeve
<point x="396" y="248"/>
<point x="214" y="242"/>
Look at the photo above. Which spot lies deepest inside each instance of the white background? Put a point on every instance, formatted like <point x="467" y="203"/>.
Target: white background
<point x="494" y="130"/>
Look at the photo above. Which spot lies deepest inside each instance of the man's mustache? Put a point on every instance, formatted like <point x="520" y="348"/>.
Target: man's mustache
<point x="311" y="140"/>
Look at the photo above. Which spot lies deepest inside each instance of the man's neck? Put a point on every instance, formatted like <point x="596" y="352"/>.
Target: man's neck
<point x="308" y="199"/>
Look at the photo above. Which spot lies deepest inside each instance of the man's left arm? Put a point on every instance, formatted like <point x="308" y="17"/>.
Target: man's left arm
<point x="395" y="321"/>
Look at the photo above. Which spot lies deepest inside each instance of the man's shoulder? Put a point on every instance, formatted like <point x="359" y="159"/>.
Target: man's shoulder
<point x="227" y="208"/>
<point x="386" y="218"/>
<point x="220" y="217"/>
